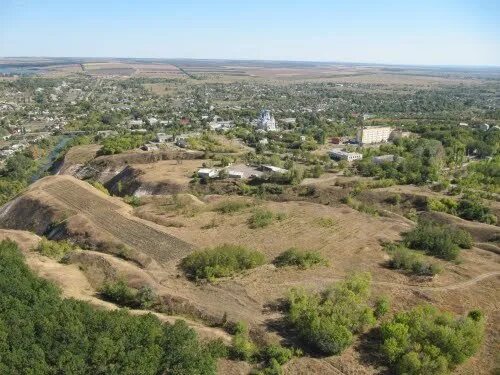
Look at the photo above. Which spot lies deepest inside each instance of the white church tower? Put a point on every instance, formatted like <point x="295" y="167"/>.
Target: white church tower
<point x="266" y="121"/>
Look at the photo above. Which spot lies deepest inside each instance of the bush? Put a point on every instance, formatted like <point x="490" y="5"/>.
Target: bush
<point x="42" y="333"/>
<point x="409" y="260"/>
<point x="382" y="306"/>
<point x="221" y="261"/>
<point x="231" y="206"/>
<point x="472" y="209"/>
<point x="99" y="187"/>
<point x="301" y="259"/>
<point x="55" y="249"/>
<point x="438" y="240"/>
<point x="327" y="322"/>
<point x="132" y="200"/>
<point x="260" y="219"/>
<point x="427" y="341"/>
<point x="242" y="347"/>
<point x="123" y="295"/>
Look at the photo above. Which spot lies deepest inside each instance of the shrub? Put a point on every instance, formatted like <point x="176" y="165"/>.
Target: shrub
<point x="409" y="260"/>
<point x="427" y="341"/>
<point x="99" y="187"/>
<point x="327" y="322"/>
<point x="326" y="222"/>
<point x="382" y="305"/>
<point x="438" y="240"/>
<point x="301" y="259"/>
<point x="260" y="219"/>
<point x="473" y="209"/>
<point x="221" y="261"/>
<point x="231" y="206"/>
<point x="242" y="347"/>
<point x="55" y="249"/>
<point x="274" y="356"/>
<point x="120" y="293"/>
<point x="132" y="200"/>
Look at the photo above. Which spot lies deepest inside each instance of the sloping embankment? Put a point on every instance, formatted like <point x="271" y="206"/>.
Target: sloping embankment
<point x="64" y="207"/>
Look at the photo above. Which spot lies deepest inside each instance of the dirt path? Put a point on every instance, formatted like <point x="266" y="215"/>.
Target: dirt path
<point x="459" y="285"/>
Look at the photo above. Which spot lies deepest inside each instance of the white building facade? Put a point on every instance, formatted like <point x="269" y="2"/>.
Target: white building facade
<point x="266" y="121"/>
<point x="373" y="134"/>
<point x="344" y="155"/>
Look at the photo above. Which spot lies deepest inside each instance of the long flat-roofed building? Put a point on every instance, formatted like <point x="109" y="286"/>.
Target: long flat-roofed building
<point x="373" y="134"/>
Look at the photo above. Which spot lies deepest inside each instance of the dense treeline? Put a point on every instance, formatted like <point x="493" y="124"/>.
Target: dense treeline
<point x="40" y="333"/>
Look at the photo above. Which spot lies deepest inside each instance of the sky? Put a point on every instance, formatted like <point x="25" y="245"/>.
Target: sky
<point x="428" y="32"/>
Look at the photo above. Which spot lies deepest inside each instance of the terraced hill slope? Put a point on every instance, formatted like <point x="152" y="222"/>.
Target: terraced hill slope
<point x="64" y="200"/>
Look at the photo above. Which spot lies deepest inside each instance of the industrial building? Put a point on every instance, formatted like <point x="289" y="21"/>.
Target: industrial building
<point x="344" y="155"/>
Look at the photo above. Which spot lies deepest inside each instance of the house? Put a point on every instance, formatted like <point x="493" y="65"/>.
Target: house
<point x="344" y="155"/>
<point x="273" y="169"/>
<point x="149" y="147"/>
<point x="235" y="174"/>
<point x="264" y="141"/>
<point x="106" y="133"/>
<point x="207" y="173"/>
<point x="134" y="123"/>
<point x="373" y="134"/>
<point x="463" y="124"/>
<point x="184" y="121"/>
<point x="383" y="159"/>
<point x="162" y="137"/>
<point x="221" y="125"/>
<point x="153" y="120"/>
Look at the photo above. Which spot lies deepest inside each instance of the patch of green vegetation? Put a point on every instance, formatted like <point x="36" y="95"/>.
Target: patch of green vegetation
<point x="441" y="241"/>
<point x="410" y="260"/>
<point x="121" y="143"/>
<point x="467" y="208"/>
<point x="42" y="333"/>
<point x="359" y="206"/>
<point x="325" y="222"/>
<point x="328" y="321"/>
<point x="243" y="348"/>
<point x="262" y="218"/>
<point x="123" y="295"/>
<point x="133" y="200"/>
<point x="55" y="249"/>
<point x="425" y="340"/>
<point x="298" y="258"/>
<point x="221" y="261"/>
<point x="382" y="306"/>
<point x="207" y="142"/>
<point x="231" y="206"/>
<point x="99" y="187"/>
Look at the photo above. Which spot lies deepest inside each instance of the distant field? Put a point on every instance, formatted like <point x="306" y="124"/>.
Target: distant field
<point x="235" y="70"/>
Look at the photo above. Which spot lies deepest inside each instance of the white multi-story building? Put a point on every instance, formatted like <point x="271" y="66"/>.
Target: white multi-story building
<point x="266" y="121"/>
<point x="373" y="134"/>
